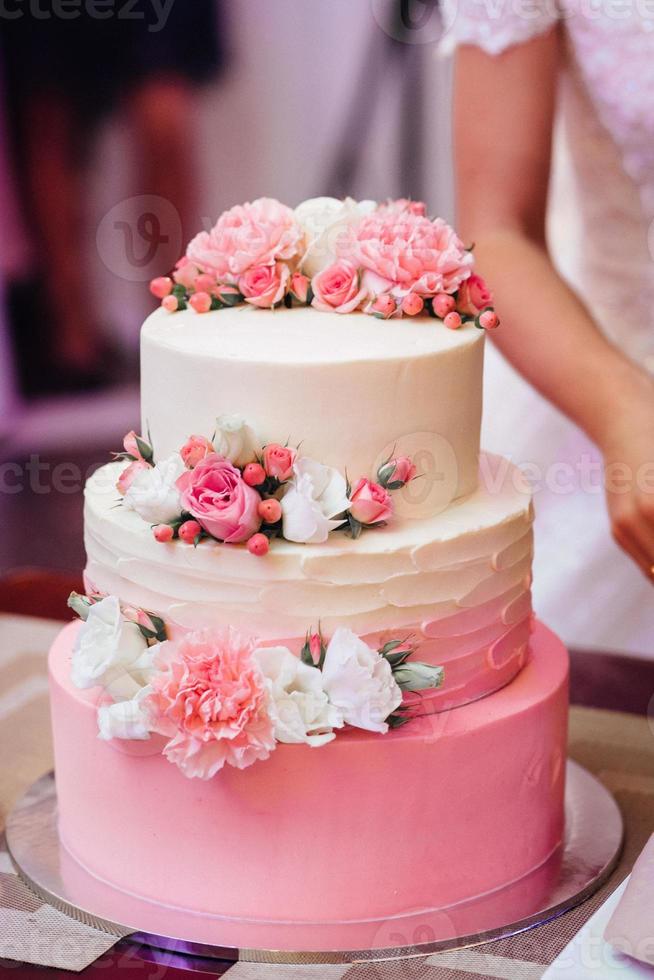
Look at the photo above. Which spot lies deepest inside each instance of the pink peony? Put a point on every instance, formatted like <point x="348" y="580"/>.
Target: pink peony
<point x="247" y="235"/>
<point x="403" y="205"/>
<point x="401" y="253"/>
<point x="209" y="698"/>
<point x="264" y="285"/>
<point x="194" y="450"/>
<point x="370" y="502"/>
<point x="278" y="461"/>
<point x="473" y="296"/>
<point x="129" y="474"/>
<point x="337" y="288"/>
<point x="216" y="495"/>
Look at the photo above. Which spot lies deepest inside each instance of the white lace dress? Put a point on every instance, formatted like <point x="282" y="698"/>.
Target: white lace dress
<point x="601" y="235"/>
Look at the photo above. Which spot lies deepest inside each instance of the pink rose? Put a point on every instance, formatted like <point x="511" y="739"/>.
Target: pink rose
<point x="404" y="469"/>
<point x="370" y="503"/>
<point x="216" y="495"/>
<point x="195" y="449"/>
<point x="403" y="205"/>
<point x="209" y="698"/>
<point x="300" y="286"/>
<point x="337" y="288"/>
<point x="278" y="461"/>
<point x="260" y="233"/>
<point x="473" y="296"/>
<point x="131" y="446"/>
<point x="129" y="474"/>
<point x="406" y="252"/>
<point x="264" y="285"/>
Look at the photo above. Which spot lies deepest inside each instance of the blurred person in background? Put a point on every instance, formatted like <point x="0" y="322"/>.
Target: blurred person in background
<point x="65" y="72"/>
<point x="578" y="304"/>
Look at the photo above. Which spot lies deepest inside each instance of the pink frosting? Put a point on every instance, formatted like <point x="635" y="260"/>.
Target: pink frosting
<point x="216" y="495"/>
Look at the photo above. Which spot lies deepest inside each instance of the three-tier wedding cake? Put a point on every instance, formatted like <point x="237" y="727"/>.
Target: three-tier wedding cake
<point x="307" y="685"/>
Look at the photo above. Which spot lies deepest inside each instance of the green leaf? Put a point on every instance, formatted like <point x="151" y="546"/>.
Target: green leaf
<point x="179" y="291"/>
<point x="80" y="604"/>
<point x="310" y="295"/>
<point x="232" y="299"/>
<point x="355" y="526"/>
<point x="216" y="304"/>
<point x="389" y="647"/>
<point x="145" y="449"/>
<point x="288" y="301"/>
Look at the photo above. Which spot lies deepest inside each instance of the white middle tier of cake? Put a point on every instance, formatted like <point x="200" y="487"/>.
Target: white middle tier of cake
<point x="458" y="584"/>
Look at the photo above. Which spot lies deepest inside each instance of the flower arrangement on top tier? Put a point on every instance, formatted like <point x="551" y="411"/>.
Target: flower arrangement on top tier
<point x="232" y="489"/>
<point x="389" y="260"/>
<point x="219" y="698"/>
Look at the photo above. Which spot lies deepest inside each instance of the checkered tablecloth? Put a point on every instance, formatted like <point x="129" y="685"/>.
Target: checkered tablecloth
<point x="618" y="748"/>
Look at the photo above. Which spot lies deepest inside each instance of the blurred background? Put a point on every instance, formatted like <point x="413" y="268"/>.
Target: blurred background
<point x="124" y="130"/>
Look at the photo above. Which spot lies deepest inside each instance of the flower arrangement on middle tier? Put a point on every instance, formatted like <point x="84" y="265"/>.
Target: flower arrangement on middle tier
<point x="389" y="260"/>
<point x="217" y="698"/>
<point x="233" y="490"/>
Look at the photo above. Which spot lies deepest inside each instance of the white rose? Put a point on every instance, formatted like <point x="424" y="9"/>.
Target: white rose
<point x="153" y="494"/>
<point x="298" y="706"/>
<point x="323" y="219"/>
<point x="111" y="653"/>
<point x="235" y="440"/>
<point x="360" y="682"/>
<point x="315" y="496"/>
<point x="125" y="719"/>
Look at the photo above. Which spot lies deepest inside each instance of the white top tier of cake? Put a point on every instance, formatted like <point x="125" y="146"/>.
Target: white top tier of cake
<point x="349" y="388"/>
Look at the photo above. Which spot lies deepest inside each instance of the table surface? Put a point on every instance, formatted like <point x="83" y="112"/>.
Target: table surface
<point x="617" y="747"/>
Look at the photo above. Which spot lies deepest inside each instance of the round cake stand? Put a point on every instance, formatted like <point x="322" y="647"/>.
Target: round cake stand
<point x="593" y="839"/>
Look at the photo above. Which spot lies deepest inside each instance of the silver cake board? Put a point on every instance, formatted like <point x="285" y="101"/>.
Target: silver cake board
<point x="593" y="840"/>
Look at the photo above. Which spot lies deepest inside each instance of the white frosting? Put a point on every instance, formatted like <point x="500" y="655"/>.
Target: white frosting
<point x="349" y="388"/>
<point x="462" y="577"/>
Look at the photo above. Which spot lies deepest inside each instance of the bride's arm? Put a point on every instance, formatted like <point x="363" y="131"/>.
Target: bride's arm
<point x="503" y="113"/>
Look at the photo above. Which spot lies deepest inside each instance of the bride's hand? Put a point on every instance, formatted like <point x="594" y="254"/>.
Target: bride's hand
<point x="627" y="442"/>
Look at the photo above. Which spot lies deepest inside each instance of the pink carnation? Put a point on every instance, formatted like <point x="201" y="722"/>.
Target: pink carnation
<point x="217" y="496"/>
<point x="403" y="252"/>
<point x="403" y="205"/>
<point x="265" y="285"/>
<point x="337" y="288"/>
<point x="210" y="699"/>
<point x="370" y="503"/>
<point x="260" y="233"/>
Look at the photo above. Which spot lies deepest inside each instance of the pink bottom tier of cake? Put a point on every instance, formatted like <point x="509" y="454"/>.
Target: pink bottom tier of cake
<point x="370" y="827"/>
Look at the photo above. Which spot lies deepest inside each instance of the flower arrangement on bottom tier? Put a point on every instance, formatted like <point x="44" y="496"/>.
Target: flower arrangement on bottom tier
<point x="220" y="698"/>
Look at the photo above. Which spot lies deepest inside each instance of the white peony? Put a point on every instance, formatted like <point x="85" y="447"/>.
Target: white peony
<point x="153" y="494"/>
<point x="298" y="706"/>
<point x="111" y="653"/>
<point x="235" y="440"/>
<point x="360" y="682"/>
<point x="322" y="220"/>
<point x="315" y="496"/>
<point x="125" y="719"/>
